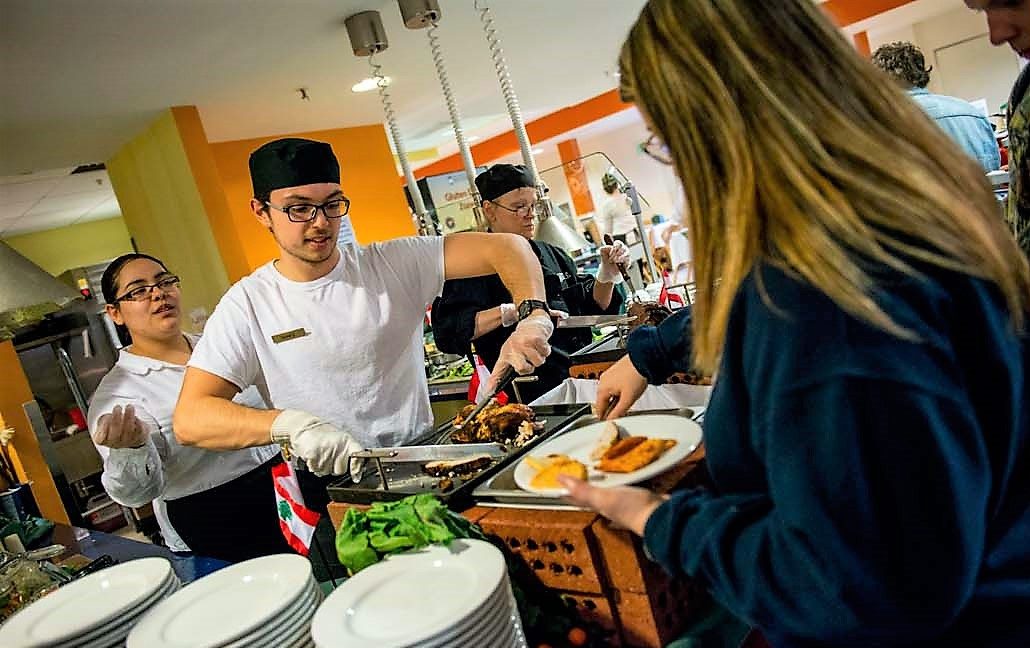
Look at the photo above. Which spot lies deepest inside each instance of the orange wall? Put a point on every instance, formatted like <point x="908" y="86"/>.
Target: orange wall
<point x="24" y="448"/>
<point x="544" y="128"/>
<point x="846" y="12"/>
<point x="379" y="210"/>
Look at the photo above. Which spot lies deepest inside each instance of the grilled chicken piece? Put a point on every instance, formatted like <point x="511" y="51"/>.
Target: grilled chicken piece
<point x="462" y="466"/>
<point x="496" y="423"/>
<point x="647" y="314"/>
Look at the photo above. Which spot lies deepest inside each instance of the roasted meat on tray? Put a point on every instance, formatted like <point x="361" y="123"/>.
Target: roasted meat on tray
<point x="647" y="313"/>
<point x="508" y="424"/>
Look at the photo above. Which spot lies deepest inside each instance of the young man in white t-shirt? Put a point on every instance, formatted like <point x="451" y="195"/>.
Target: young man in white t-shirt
<point x="331" y="336"/>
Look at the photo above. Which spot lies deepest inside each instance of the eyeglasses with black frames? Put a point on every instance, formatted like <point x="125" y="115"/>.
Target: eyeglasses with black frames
<point x="304" y="212"/>
<point x="143" y="293"/>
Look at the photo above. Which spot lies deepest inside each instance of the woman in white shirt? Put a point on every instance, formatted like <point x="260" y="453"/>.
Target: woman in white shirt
<point x="221" y="504"/>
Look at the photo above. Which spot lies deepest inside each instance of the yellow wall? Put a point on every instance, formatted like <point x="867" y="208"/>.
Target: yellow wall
<point x="74" y="246"/>
<point x="165" y="212"/>
<point x="209" y="184"/>
<point x="379" y="210"/>
<point x="24" y="448"/>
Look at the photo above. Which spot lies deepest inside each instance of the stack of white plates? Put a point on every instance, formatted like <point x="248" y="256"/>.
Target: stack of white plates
<point x="261" y="603"/>
<point x="95" y="611"/>
<point x="441" y="596"/>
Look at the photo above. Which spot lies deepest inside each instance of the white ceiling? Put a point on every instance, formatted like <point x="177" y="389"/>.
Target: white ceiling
<point x="81" y="78"/>
<point x="51" y="199"/>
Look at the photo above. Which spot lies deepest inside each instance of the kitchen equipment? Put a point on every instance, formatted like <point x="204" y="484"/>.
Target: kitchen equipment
<point x="591" y="321"/>
<point x="408" y="478"/>
<point x="432" y="452"/>
<point x="608" y="240"/>
<point x="507" y="376"/>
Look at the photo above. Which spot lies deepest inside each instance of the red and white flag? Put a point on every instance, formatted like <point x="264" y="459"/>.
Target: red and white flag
<point x="295" y="519"/>
<point x="666" y="298"/>
<point x="478" y="382"/>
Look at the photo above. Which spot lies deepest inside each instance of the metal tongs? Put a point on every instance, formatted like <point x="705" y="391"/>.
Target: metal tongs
<point x="608" y="240"/>
<point x="506" y="379"/>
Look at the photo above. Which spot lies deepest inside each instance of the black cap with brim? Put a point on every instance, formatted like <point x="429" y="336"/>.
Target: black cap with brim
<point x="502" y="178"/>
<point x="292" y="162"/>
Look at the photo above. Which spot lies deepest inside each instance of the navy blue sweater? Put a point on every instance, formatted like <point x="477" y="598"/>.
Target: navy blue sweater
<point x="869" y="491"/>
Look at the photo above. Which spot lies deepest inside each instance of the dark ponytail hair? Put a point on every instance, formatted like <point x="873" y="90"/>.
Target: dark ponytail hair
<point x="109" y="285"/>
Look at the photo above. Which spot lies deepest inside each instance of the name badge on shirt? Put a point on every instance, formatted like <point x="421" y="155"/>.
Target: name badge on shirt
<point x="279" y="338"/>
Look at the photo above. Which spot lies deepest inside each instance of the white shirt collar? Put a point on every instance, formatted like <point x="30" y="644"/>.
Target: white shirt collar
<point x="141" y="365"/>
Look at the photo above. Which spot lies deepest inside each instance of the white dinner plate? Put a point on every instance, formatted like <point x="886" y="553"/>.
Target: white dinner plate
<point x="410" y="597"/>
<point x="83" y="605"/>
<point x="493" y="610"/>
<point x="579" y="443"/>
<point x="287" y="628"/>
<point x="118" y="629"/>
<point x="226" y="605"/>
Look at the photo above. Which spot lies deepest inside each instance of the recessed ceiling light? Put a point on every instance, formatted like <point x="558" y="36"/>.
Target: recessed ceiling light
<point x="538" y="151"/>
<point x="365" y="85"/>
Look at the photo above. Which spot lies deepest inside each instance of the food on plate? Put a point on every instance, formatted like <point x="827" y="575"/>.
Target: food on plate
<point x="647" y="314"/>
<point x="610" y="435"/>
<point x="445" y="484"/>
<point x="463" y="466"/>
<point x="512" y="424"/>
<point x="633" y="454"/>
<point x="621" y="447"/>
<point x="550" y="467"/>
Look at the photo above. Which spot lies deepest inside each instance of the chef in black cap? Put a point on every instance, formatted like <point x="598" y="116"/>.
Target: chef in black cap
<point x="481" y="311"/>
<point x="331" y="335"/>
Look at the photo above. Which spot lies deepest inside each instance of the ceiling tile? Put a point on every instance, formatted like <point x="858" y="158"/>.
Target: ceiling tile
<point x="82" y="182"/>
<point x="107" y="209"/>
<point x="26" y="191"/>
<point x="10" y="212"/>
<point x="29" y="223"/>
<point x="79" y="202"/>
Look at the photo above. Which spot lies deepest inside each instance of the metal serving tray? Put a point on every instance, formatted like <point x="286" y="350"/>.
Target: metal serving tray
<point x="500" y="488"/>
<point x="404" y="478"/>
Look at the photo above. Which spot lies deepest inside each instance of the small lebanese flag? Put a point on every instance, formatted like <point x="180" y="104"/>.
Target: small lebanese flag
<point x="666" y="298"/>
<point x="296" y="520"/>
<point x="478" y="382"/>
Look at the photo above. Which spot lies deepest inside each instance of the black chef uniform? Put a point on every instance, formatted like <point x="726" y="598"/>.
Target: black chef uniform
<point x="454" y="315"/>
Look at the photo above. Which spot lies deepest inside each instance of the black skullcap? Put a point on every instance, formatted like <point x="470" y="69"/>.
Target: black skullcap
<point x="292" y="162"/>
<point x="502" y="178"/>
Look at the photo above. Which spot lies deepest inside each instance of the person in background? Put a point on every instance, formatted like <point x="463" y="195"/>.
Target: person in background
<point x="867" y="434"/>
<point x="1009" y="23"/>
<point x="221" y="504"/>
<point x="964" y="122"/>
<point x="331" y="336"/>
<point x="616" y="217"/>
<point x="480" y="311"/>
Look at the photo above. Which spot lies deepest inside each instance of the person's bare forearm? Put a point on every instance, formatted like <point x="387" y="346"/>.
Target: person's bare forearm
<point x="603" y="293"/>
<point x="471" y="254"/>
<point x="206" y="417"/>
<point x="486" y="321"/>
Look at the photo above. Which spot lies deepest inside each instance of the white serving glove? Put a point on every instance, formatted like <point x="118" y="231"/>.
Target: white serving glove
<point x="509" y="315"/>
<point x="612" y="256"/>
<point x="120" y="429"/>
<point x="323" y="446"/>
<point x="525" y="349"/>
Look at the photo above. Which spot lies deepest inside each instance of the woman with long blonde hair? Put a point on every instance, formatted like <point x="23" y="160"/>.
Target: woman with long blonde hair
<point x="864" y="306"/>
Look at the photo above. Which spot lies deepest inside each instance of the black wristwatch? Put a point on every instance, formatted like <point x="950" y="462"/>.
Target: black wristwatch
<point x="529" y="305"/>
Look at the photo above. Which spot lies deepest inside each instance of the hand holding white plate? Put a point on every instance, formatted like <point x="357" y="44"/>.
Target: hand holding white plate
<point x="578" y="444"/>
